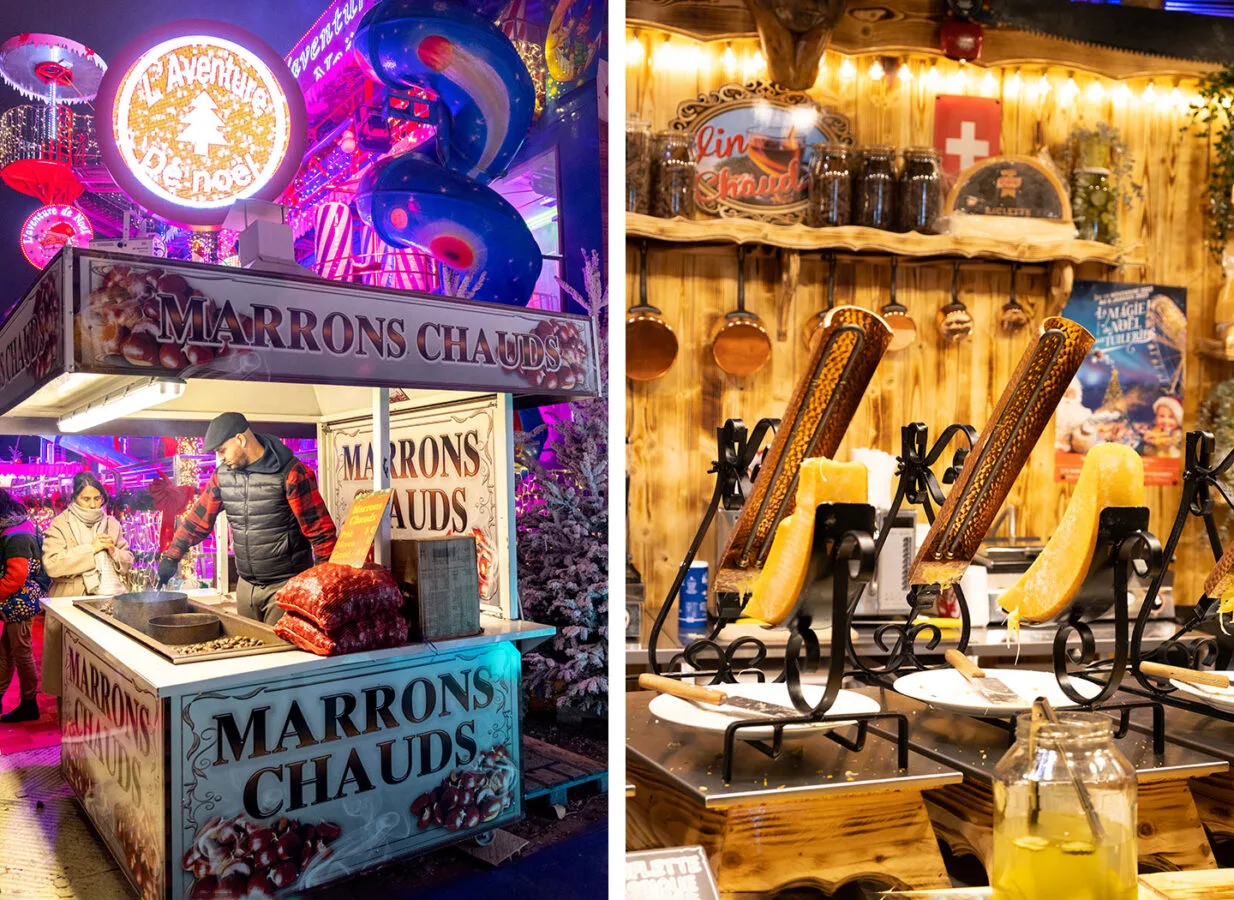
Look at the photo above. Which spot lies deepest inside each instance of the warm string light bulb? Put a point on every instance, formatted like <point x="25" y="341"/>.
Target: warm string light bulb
<point x="700" y="61"/>
<point x="634" y="51"/>
<point x="1176" y="98"/>
<point x="847" y="69"/>
<point x="1011" y="87"/>
<point x="754" y="65"/>
<point x="1043" y="86"/>
<point x="662" y="59"/>
<point x="728" y="59"/>
<point x="933" y="78"/>
<point x="905" y="74"/>
<point x="959" y="80"/>
<point x="1096" y="91"/>
<point x="1150" y="94"/>
<point x="989" y="84"/>
<point x="876" y="71"/>
<point x="1069" y="90"/>
<point x="1122" y="95"/>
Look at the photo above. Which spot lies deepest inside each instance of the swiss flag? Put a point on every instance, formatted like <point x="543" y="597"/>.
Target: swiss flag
<point x="966" y="130"/>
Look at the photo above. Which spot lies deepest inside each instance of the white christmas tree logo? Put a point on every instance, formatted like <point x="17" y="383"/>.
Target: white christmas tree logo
<point x="203" y="127"/>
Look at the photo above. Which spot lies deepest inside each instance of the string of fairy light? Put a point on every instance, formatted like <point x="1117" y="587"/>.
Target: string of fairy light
<point x="660" y="53"/>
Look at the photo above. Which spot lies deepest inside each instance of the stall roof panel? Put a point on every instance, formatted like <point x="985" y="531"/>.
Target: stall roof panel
<point x="130" y="317"/>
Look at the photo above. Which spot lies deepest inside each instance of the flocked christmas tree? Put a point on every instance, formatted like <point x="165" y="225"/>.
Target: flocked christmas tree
<point x="562" y="517"/>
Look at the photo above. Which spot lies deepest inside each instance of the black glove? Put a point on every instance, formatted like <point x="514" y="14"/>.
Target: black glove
<point x="167" y="570"/>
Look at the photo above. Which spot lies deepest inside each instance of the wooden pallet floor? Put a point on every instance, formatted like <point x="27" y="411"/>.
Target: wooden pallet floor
<point x="551" y="771"/>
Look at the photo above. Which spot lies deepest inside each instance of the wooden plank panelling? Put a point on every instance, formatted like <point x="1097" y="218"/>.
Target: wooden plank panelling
<point x="671" y="422"/>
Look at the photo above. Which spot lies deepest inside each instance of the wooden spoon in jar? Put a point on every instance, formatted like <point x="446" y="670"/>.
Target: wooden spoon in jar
<point x="651" y="346"/>
<point x="740" y="343"/>
<point x="895" y="314"/>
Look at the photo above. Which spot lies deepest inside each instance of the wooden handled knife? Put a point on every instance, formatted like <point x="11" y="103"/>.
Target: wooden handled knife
<point x="993" y="690"/>
<point x="851" y="342"/>
<point x="699" y="694"/>
<point x="1027" y="403"/>
<point x="1190" y="676"/>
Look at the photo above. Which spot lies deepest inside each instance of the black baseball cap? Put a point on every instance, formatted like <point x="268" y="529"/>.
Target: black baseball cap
<point x="223" y="428"/>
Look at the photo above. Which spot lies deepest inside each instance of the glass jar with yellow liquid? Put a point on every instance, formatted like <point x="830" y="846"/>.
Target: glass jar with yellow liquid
<point x="1044" y="845"/>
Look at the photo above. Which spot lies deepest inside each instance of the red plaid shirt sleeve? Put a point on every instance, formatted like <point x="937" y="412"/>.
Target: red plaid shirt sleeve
<point x="310" y="510"/>
<point x="198" y="522"/>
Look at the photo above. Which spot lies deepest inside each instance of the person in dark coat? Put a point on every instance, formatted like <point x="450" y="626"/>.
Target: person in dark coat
<point x="280" y="525"/>
<point x="20" y="596"/>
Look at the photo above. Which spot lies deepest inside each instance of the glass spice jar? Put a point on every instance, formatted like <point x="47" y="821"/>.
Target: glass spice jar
<point x="831" y="186"/>
<point x="1044" y="844"/>
<point x="638" y="166"/>
<point x="1094" y="206"/>
<point x="919" y="199"/>
<point x="672" y="175"/>
<point x="874" y="188"/>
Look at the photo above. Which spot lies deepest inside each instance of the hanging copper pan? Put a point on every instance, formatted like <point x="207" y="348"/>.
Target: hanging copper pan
<point x="651" y="346"/>
<point x="815" y="322"/>
<point x="895" y="314"/>
<point x="740" y="343"/>
<point x="955" y="322"/>
<point x="1014" y="317"/>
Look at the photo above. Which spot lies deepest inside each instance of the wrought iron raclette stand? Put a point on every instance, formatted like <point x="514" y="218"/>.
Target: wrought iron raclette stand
<point x="965" y="747"/>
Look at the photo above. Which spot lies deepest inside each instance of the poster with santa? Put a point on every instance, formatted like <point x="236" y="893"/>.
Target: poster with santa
<point x="1130" y="388"/>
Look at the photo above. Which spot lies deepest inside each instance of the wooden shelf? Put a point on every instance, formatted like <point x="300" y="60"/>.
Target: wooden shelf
<point x="858" y="239"/>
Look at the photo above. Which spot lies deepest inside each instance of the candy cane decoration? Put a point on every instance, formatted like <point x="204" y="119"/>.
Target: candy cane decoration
<point x="371" y="262"/>
<point x="407" y="270"/>
<point x="332" y="240"/>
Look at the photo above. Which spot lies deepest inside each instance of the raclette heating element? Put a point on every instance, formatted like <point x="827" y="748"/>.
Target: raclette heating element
<point x="851" y="342"/>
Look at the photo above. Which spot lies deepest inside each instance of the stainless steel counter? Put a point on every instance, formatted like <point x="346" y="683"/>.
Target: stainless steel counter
<point x="810" y="766"/>
<point x="1203" y="734"/>
<point x="975" y="747"/>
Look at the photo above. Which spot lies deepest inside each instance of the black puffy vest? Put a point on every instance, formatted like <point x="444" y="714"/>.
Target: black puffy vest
<point x="266" y="536"/>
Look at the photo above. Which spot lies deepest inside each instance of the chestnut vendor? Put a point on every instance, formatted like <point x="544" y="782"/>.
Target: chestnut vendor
<point x="279" y="523"/>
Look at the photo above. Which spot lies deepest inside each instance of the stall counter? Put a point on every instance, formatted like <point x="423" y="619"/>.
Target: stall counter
<point x="287" y="770"/>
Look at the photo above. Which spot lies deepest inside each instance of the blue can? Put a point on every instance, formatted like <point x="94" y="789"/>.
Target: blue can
<point x="692" y="604"/>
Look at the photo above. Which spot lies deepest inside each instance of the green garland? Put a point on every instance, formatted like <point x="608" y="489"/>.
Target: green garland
<point x="1118" y="159"/>
<point x="1210" y="118"/>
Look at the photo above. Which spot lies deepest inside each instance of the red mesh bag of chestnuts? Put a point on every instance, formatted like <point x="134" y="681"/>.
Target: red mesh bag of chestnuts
<point x="331" y="595"/>
<point x="377" y="633"/>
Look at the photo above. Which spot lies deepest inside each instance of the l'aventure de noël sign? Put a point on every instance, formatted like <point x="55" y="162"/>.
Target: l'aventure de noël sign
<point x="202" y="115"/>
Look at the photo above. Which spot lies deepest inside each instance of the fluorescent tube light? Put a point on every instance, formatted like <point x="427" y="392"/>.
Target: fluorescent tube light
<point x="135" y="397"/>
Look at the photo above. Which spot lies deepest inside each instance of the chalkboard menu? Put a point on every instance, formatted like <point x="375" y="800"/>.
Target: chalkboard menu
<point x="1016" y="186"/>
<point x="680" y="873"/>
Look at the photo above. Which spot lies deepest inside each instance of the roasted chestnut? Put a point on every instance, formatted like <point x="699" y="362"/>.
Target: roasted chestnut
<point x="140" y="349"/>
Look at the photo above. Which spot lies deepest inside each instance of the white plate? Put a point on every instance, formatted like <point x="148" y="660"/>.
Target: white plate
<point x="1222" y="698"/>
<point x="708" y="717"/>
<point x="948" y="689"/>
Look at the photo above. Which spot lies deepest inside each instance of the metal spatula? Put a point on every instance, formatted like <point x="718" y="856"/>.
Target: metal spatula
<point x="993" y="690"/>
<point x="699" y="694"/>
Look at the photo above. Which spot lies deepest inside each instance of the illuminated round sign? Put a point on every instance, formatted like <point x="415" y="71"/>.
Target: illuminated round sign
<point x="202" y="114"/>
<point x="51" y="228"/>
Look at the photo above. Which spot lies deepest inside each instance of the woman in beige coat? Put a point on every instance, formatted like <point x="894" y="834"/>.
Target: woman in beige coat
<point x="83" y="543"/>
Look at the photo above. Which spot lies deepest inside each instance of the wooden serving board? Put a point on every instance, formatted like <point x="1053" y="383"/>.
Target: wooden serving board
<point x="760" y="848"/>
<point x="1217" y="884"/>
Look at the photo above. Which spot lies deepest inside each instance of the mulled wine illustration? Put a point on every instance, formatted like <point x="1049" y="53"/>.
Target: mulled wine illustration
<point x="776" y="151"/>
